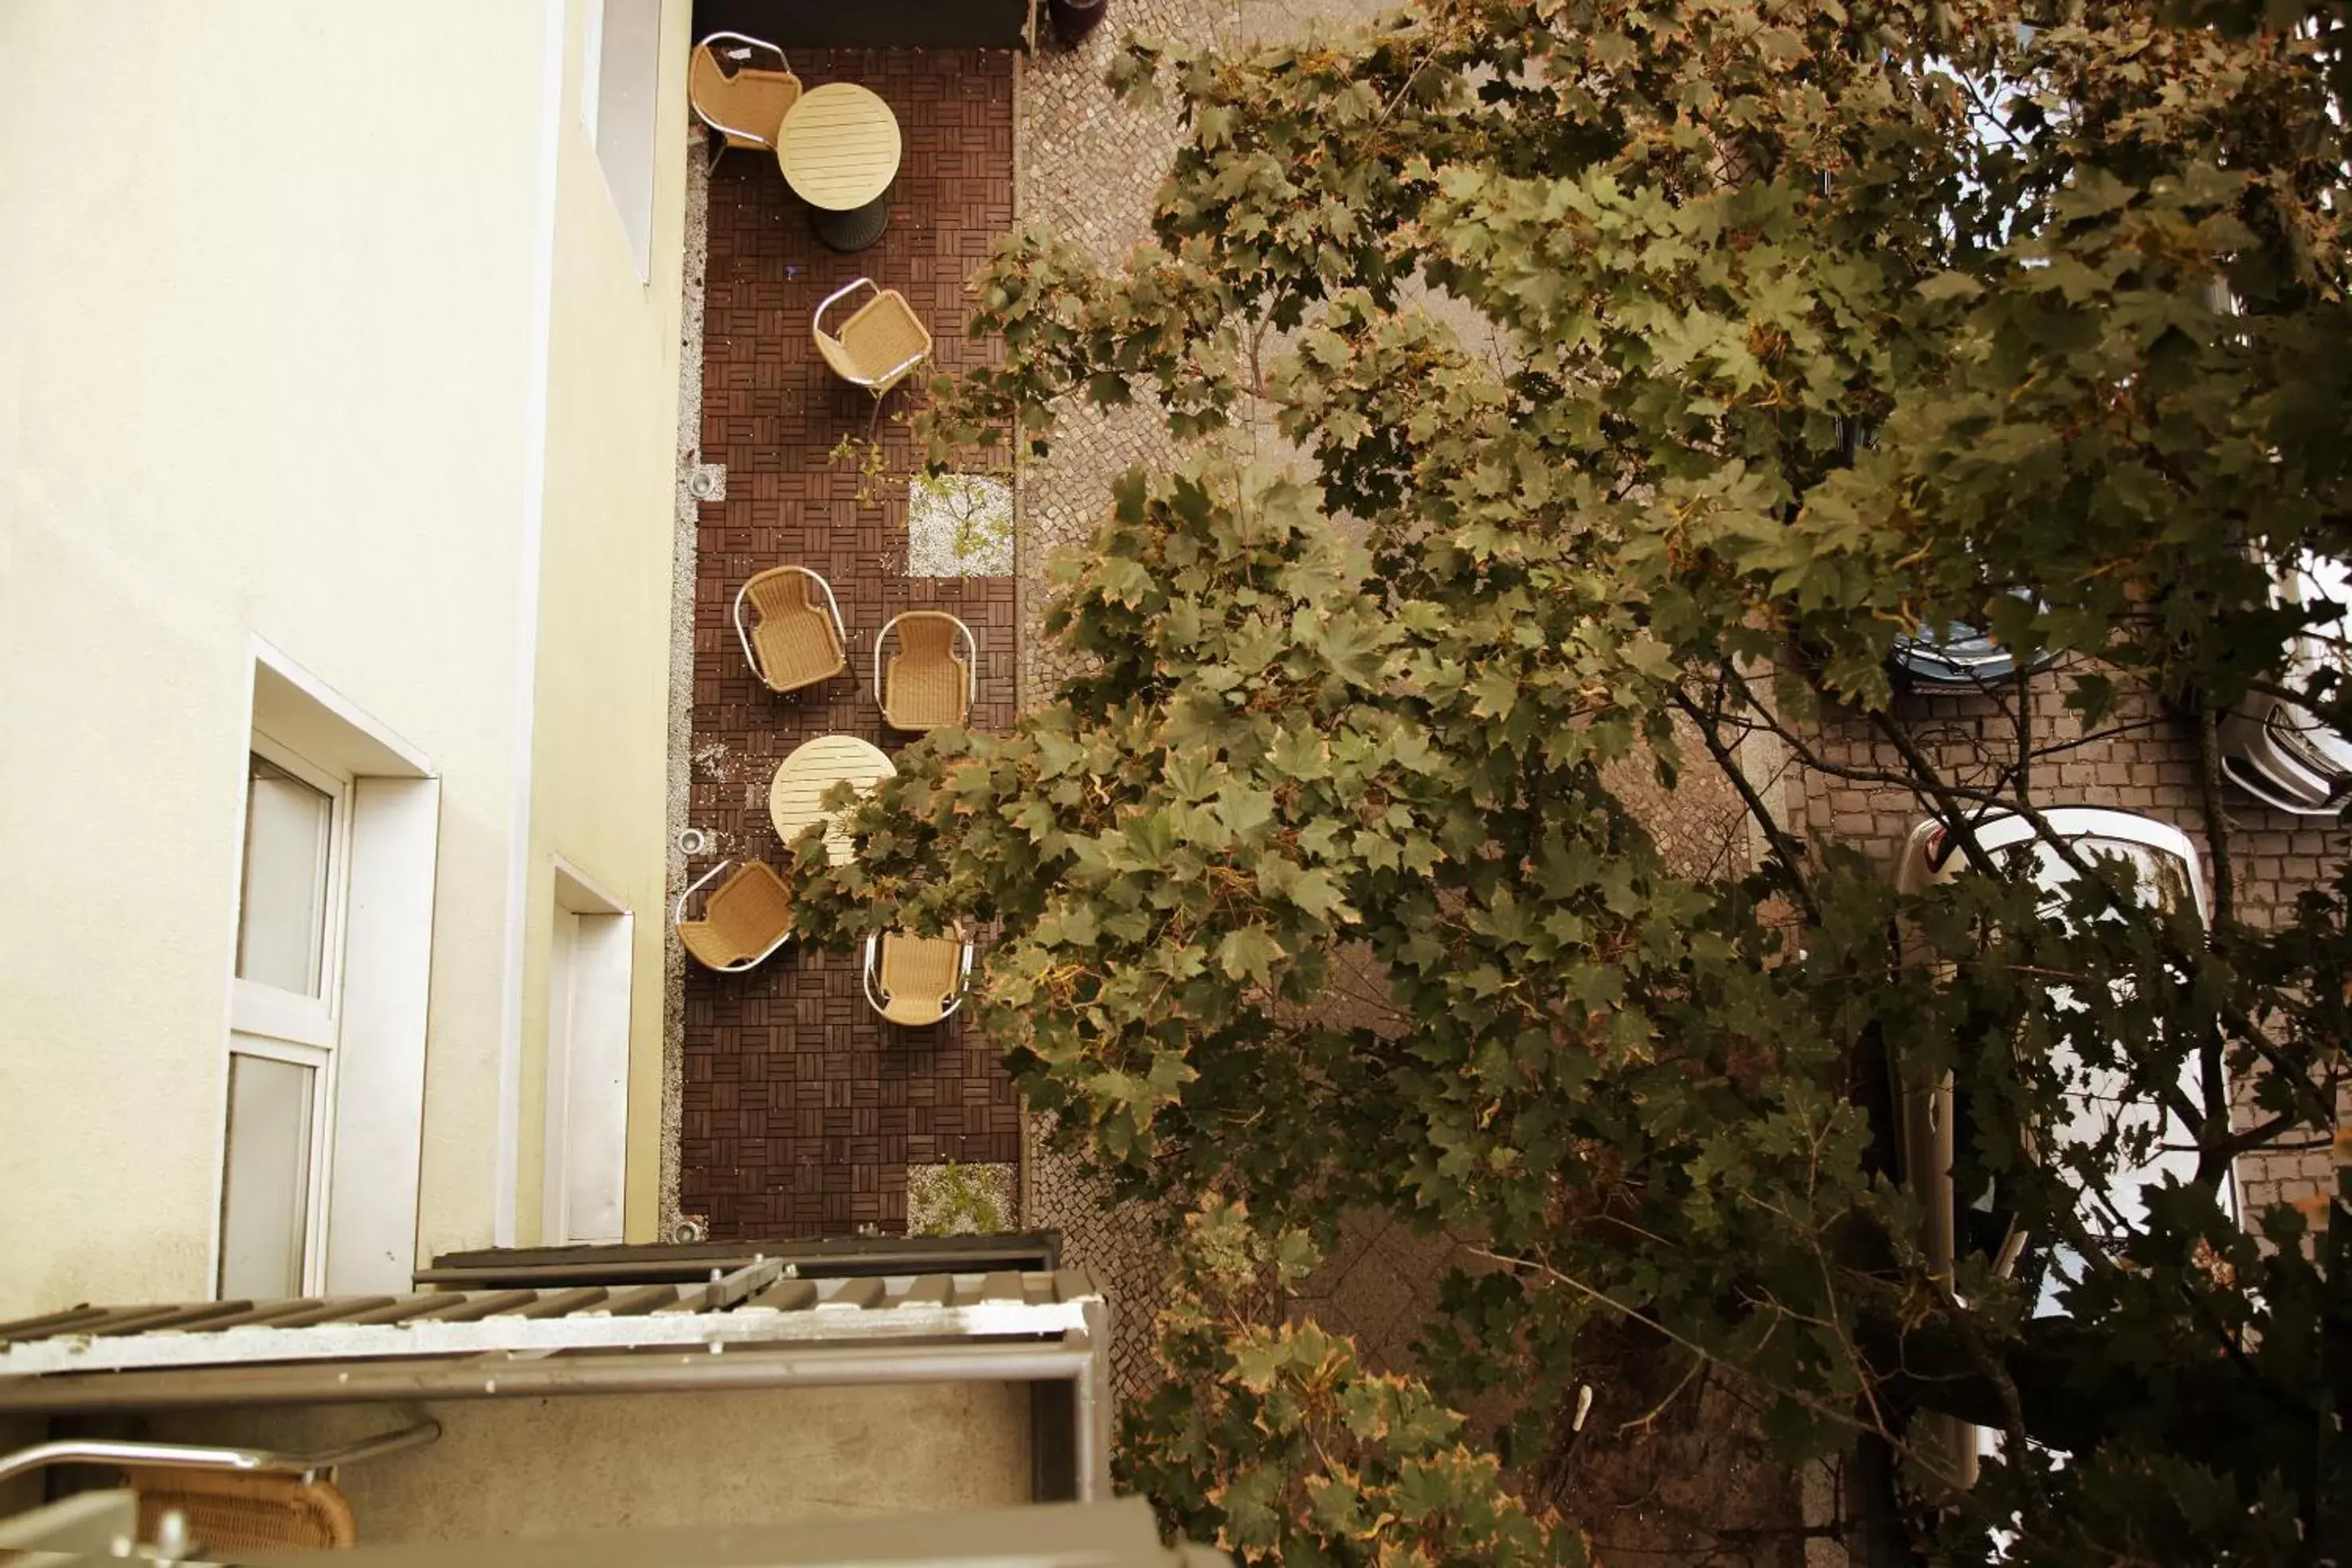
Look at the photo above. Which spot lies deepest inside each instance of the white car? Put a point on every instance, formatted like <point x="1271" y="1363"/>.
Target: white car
<point x="2166" y="874"/>
<point x="2276" y="750"/>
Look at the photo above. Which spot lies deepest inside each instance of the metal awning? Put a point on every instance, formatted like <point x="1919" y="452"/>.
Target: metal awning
<point x="756" y="1325"/>
<point x="608" y="1263"/>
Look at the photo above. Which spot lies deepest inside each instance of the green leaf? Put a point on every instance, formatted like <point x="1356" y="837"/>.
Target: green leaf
<point x="1941" y="286"/>
<point x="1249" y="954"/>
<point x="1246" y="812"/>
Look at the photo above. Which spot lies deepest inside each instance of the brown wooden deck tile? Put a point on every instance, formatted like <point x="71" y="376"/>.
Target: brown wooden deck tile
<point x="802" y="1109"/>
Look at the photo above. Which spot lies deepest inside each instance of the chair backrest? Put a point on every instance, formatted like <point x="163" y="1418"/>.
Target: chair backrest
<point x="927" y="636"/>
<point x="245" y="1512"/>
<point x="837" y="358"/>
<point x="927" y="682"/>
<point x="748" y="105"/>
<point x="744" y="917"/>
<point x="919" y="977"/>
<point x="783" y="591"/>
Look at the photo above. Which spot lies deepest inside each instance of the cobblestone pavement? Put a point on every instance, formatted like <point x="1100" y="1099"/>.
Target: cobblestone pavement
<point x="1119" y="1247"/>
<point x="1087" y="167"/>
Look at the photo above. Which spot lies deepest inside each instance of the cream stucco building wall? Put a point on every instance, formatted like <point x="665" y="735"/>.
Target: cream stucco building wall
<point x="600" y="760"/>
<point x="307" y="336"/>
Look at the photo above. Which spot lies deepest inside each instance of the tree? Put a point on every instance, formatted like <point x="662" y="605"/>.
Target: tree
<point x="1648" y="371"/>
<point x="1274" y="1438"/>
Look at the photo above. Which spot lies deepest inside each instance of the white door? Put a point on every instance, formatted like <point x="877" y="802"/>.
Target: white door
<point x="587" y="1083"/>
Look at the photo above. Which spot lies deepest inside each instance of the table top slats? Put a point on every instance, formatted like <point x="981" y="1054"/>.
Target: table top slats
<point x="814" y="768"/>
<point x="839" y="146"/>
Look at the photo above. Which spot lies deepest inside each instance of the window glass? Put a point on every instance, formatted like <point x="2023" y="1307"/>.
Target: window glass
<point x="620" y="99"/>
<point x="282" y="907"/>
<point x="265" y="1201"/>
<point x="2159" y="879"/>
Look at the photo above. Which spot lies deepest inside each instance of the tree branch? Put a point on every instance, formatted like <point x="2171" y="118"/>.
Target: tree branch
<point x="1784" y="848"/>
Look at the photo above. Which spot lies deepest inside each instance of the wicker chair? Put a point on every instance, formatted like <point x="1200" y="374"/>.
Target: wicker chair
<point x="881" y="344"/>
<point x="748" y="917"/>
<point x="798" y="640"/>
<point x="929" y="681"/>
<point x="241" y="1512"/>
<point x="917" y="981"/>
<point x="747" y="105"/>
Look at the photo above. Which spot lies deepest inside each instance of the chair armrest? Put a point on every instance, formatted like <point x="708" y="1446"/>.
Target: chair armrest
<point x="880" y="638"/>
<point x="764" y="954"/>
<point x="696" y="887"/>
<point x="963" y="986"/>
<point x="743" y="635"/>
<point x="839" y="629"/>
<point x="900" y="368"/>
<point x="709" y="38"/>
<point x="211" y="1457"/>
<point x="970" y="696"/>
<point x="830" y="301"/>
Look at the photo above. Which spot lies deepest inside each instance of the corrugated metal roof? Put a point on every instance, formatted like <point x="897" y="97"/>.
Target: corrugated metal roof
<point x="1042" y="1328"/>
<point x="664" y="1263"/>
<point x="761" y="1304"/>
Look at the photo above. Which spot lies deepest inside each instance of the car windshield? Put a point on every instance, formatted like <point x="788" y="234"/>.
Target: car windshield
<point x="2159" y="879"/>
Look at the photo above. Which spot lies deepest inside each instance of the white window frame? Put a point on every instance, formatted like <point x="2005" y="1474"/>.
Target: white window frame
<point x="591" y="66"/>
<point x="321" y="1152"/>
<point x="284" y="1026"/>
<point x="633" y="207"/>
<point x="256" y="1009"/>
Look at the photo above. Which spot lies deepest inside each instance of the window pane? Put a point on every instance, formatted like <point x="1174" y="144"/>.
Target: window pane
<point x="282" y="914"/>
<point x="265" y="1201"/>
<point x="628" y="81"/>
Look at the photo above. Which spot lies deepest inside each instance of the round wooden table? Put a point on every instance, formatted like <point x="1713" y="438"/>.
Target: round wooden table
<point x="839" y="149"/>
<point x="813" y="769"/>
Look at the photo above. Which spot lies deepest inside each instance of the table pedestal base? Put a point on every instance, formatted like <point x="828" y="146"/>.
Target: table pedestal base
<point x="856" y="228"/>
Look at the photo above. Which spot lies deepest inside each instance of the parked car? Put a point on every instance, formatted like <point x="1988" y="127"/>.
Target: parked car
<point x="1956" y="656"/>
<point x="1983" y="1222"/>
<point x="2276" y="750"/>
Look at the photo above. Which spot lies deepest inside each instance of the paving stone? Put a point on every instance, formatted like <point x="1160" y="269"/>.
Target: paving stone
<point x="1119" y="1245"/>
<point x="1090" y="167"/>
